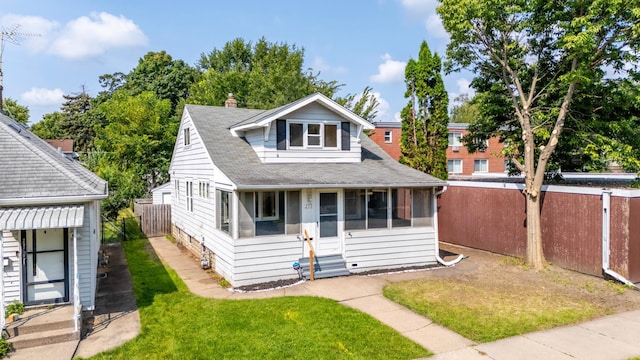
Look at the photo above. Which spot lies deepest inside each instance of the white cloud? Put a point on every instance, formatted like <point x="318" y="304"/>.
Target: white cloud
<point x="85" y="36"/>
<point x="94" y="35"/>
<point x="426" y="9"/>
<point x="319" y="64"/>
<point x="389" y="71"/>
<point x="464" y="87"/>
<point x="41" y="96"/>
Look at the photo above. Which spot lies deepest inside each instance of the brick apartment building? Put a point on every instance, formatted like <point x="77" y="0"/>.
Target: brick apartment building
<point x="460" y="162"/>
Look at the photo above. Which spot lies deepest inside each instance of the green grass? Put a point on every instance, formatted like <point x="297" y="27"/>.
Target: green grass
<point x="485" y="313"/>
<point x="179" y="325"/>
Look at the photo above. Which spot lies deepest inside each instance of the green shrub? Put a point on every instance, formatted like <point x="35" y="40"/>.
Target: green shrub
<point x="5" y="347"/>
<point x="15" y="307"/>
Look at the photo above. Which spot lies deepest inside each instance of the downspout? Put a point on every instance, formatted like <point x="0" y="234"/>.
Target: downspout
<point x="606" y="231"/>
<point x="435" y="227"/>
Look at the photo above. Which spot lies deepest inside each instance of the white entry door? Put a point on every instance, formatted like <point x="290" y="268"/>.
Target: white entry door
<point x="328" y="240"/>
<point x="45" y="266"/>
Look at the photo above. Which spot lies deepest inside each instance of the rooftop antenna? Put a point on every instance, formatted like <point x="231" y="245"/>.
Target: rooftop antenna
<point x="11" y="35"/>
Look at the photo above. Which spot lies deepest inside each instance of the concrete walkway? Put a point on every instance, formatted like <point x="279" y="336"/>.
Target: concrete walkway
<point x="611" y="337"/>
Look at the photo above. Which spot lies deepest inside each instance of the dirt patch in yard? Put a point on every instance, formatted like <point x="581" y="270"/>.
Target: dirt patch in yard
<point x="509" y="275"/>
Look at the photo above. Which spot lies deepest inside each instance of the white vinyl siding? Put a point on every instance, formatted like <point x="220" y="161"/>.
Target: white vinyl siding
<point x="314" y="113"/>
<point x="390" y="248"/>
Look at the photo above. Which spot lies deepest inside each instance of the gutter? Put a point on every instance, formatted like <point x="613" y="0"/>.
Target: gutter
<point x="437" y="237"/>
<point x="53" y="200"/>
<point x="606" y="231"/>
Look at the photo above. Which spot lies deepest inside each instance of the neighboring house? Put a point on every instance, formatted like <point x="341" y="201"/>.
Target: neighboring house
<point x="64" y="146"/>
<point x="161" y="194"/>
<point x="248" y="184"/>
<point x="49" y="223"/>
<point x="460" y="162"/>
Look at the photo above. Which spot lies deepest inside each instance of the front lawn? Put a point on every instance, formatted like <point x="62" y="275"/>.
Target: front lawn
<point x="492" y="297"/>
<point x="179" y="325"/>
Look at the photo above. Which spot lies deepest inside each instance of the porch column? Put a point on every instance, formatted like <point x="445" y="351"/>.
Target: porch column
<point x="76" y="280"/>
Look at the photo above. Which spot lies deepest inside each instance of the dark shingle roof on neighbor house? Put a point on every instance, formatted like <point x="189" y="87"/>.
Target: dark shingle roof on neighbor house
<point x="31" y="168"/>
<point x="238" y="161"/>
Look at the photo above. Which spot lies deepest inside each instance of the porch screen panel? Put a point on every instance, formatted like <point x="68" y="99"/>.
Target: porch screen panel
<point x="400" y="207"/>
<point x="223" y="219"/>
<point x="377" y="208"/>
<point x="246" y="214"/>
<point x="293" y="212"/>
<point x="422" y="207"/>
<point x="270" y="213"/>
<point x="355" y="212"/>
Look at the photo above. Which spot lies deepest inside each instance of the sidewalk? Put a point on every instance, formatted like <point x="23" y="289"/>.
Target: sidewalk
<point x="611" y="337"/>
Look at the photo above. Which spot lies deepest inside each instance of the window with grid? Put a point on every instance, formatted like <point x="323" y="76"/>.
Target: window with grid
<point x="454" y="166"/>
<point x="481" y="165"/>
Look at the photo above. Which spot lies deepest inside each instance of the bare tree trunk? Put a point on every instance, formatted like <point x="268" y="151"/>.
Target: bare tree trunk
<point x="535" y="255"/>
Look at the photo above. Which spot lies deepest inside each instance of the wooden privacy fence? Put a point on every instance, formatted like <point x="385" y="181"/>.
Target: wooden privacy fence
<point x="155" y="219"/>
<point x="491" y="216"/>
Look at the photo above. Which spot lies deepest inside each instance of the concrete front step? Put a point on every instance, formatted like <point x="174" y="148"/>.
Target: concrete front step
<point x="325" y="267"/>
<point x="44" y="338"/>
<point x="43" y="326"/>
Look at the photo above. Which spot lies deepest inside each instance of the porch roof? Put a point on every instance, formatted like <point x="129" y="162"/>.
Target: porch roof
<point x="47" y="217"/>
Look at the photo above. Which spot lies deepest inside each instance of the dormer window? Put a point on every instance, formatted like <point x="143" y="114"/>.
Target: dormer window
<point x="313" y="135"/>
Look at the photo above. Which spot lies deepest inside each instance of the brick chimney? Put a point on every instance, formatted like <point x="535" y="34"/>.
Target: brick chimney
<point x="231" y="102"/>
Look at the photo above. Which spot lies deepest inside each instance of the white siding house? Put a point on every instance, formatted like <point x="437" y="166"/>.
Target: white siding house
<point x="248" y="184"/>
<point x="49" y="223"/>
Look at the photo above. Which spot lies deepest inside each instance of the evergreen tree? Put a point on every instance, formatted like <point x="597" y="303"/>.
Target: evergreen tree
<point x="424" y="120"/>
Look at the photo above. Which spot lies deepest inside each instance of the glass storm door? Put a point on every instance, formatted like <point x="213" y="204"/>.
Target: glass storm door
<point x="45" y="266"/>
<point x="328" y="241"/>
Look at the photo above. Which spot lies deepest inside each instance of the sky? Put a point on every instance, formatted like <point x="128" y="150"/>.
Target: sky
<point x="68" y="44"/>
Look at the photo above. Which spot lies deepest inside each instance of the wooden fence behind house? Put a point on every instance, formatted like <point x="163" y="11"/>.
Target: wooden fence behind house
<point x="155" y="219"/>
<point x="492" y="217"/>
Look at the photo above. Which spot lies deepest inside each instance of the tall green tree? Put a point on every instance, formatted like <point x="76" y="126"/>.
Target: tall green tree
<point x="260" y="76"/>
<point x="17" y="112"/>
<point x="465" y="110"/>
<point x="50" y="126"/>
<point x="79" y="121"/>
<point x="364" y="104"/>
<point x="424" y="119"/>
<point x="134" y="149"/>
<point x="542" y="52"/>
<point x="158" y="72"/>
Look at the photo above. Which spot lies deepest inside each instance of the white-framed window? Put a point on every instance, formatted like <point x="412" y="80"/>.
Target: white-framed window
<point x="481" y="165"/>
<point x="455" y="139"/>
<point x="223" y="215"/>
<point x="203" y="189"/>
<point x="187" y="136"/>
<point x="177" y="188"/>
<point x="454" y="166"/>
<point x="388" y="136"/>
<point x="312" y="135"/>
<point x="189" y="197"/>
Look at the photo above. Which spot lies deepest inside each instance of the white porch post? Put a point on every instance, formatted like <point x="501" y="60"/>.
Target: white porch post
<point x="76" y="280"/>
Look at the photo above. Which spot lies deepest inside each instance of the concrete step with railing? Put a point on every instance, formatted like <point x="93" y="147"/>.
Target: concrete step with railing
<point x="325" y="267"/>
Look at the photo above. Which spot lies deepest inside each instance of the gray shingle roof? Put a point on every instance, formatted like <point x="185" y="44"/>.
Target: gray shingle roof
<point x="238" y="161"/>
<point x="31" y="168"/>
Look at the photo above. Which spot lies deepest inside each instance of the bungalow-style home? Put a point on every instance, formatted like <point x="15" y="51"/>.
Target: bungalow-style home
<point x="49" y="223"/>
<point x="248" y="185"/>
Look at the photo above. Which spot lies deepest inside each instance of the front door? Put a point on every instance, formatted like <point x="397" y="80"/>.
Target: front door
<point x="327" y="240"/>
<point x="45" y="264"/>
